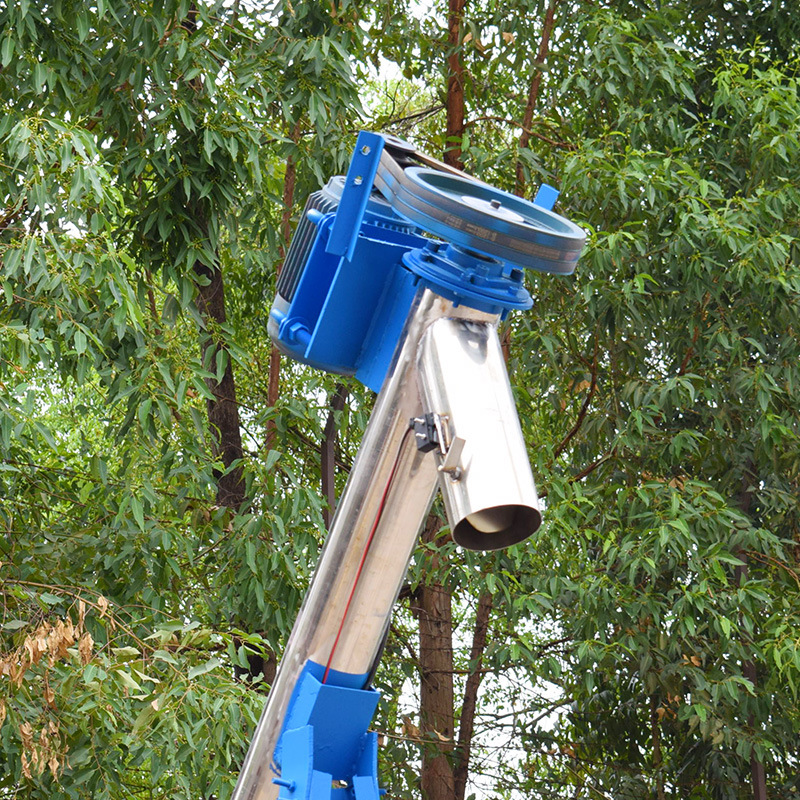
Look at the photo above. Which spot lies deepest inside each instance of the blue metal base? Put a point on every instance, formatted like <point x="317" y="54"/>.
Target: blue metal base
<point x="326" y="751"/>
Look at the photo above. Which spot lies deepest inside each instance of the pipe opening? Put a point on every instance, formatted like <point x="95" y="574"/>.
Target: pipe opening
<point x="497" y="527"/>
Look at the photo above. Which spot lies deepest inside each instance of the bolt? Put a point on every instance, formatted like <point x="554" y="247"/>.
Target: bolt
<point x="365" y="150"/>
<point x="495" y="203"/>
<point x="358" y="180"/>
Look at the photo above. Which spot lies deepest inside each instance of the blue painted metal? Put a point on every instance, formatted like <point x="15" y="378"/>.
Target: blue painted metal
<point x="344" y="310"/>
<point x="358" y="186"/>
<point x="546" y="197"/>
<point x="479" y="217"/>
<point x="470" y="279"/>
<point x="387" y="324"/>
<point x="348" y="307"/>
<point x="347" y="680"/>
<point x="326" y="751"/>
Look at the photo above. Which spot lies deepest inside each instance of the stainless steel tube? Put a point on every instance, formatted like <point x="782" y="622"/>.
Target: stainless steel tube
<point x="349" y="603"/>
<point x="490" y="495"/>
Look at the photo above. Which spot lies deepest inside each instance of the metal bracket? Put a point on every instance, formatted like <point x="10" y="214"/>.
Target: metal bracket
<point x="450" y="448"/>
<point x="451" y="458"/>
<point x="432" y="431"/>
<point x="326" y="750"/>
<point x="426" y="432"/>
<point x="358" y="185"/>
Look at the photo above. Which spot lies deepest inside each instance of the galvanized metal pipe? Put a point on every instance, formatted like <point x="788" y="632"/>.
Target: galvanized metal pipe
<point x="406" y="503"/>
<point x="490" y="496"/>
<point x="449" y="364"/>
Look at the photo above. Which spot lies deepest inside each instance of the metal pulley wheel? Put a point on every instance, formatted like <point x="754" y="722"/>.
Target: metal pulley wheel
<point x="474" y="215"/>
<point x="477" y="216"/>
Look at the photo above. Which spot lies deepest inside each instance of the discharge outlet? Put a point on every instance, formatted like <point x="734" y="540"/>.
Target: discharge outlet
<point x="489" y="495"/>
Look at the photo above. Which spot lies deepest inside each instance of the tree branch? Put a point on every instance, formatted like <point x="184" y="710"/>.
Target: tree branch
<point x="404" y="641"/>
<point x="289" y="182"/>
<point x="328" y="453"/>
<point x="530" y="132"/>
<point x="466" y="726"/>
<point x="533" y="93"/>
<point x="415" y="117"/>
<point x="582" y="413"/>
<point x="11" y="215"/>
<point x="586" y="470"/>
<point x="593" y="466"/>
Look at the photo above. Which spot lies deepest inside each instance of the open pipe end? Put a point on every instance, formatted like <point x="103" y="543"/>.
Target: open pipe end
<point x="497" y="527"/>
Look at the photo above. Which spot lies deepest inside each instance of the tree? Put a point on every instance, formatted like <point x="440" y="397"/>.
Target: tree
<point x="658" y="390"/>
<point x="144" y="535"/>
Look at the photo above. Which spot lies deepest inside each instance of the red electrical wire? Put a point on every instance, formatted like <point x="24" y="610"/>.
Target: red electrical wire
<point x="371" y="536"/>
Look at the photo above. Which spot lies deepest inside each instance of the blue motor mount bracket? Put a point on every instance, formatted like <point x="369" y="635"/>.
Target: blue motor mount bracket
<point x="358" y="187"/>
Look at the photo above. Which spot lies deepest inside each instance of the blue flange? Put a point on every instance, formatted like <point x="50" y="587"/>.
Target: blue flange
<point x="470" y="279"/>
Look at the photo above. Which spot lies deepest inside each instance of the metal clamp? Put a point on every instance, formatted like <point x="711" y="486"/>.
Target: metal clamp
<point x="450" y="448"/>
<point x="432" y="431"/>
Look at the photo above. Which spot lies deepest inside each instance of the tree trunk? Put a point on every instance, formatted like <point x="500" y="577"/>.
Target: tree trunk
<point x="273" y="392"/>
<point x="328" y="453"/>
<point x="223" y="411"/>
<point x="455" y="87"/>
<point x="289" y="182"/>
<point x="433" y="609"/>
<point x="466" y="726"/>
<point x="533" y="92"/>
<point x="655" y="731"/>
<point x="758" y="777"/>
<point x="445" y="761"/>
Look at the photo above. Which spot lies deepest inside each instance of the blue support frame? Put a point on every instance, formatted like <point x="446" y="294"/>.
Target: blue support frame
<point x="326" y="751"/>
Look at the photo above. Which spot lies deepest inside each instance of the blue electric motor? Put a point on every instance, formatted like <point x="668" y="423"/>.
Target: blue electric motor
<point x="365" y="242"/>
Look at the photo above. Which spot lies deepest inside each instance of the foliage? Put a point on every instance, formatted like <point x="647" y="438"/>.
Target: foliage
<point x="140" y="141"/>
<point x="673" y="510"/>
<point x="656" y="606"/>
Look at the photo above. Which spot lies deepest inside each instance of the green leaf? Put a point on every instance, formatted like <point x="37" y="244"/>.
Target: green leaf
<point x="143" y="719"/>
<point x="202" y="669"/>
<point x="7" y="49"/>
<point x="250" y="556"/>
<point x="129" y="682"/>
<point x="79" y="340"/>
<point x="50" y="599"/>
<point x="137" y="509"/>
<point x="82" y="21"/>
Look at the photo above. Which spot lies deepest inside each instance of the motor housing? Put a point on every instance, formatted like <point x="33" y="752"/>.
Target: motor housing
<point x="398" y="219"/>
